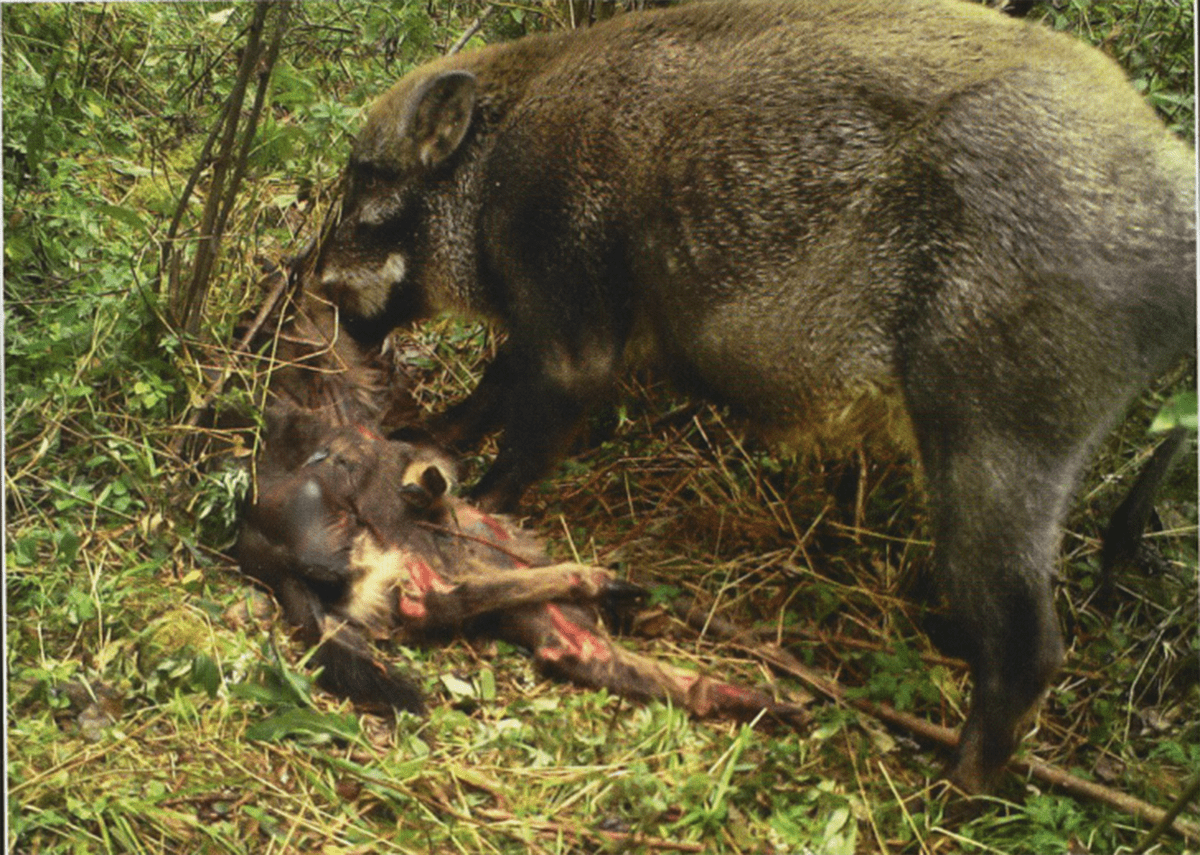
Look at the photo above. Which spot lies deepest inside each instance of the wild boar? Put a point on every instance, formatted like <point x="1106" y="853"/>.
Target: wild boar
<point x="916" y="219"/>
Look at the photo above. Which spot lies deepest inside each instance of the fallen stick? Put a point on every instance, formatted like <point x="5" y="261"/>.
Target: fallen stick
<point x="1189" y="792"/>
<point x="947" y="737"/>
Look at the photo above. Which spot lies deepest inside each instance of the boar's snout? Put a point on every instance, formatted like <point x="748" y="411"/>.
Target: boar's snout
<point x="367" y="285"/>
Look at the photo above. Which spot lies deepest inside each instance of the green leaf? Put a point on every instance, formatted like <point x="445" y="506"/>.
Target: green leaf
<point x="80" y="607"/>
<point x="1179" y="411"/>
<point x="206" y="675"/>
<point x="267" y="695"/>
<point x="67" y="547"/>
<point x="295" y="721"/>
<point x="487" y="685"/>
<point x="124" y="215"/>
<point x="458" y="687"/>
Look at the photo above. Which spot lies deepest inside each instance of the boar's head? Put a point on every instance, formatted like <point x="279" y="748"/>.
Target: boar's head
<point x="375" y="265"/>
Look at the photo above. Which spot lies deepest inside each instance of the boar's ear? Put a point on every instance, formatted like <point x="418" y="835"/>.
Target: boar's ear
<point x="439" y="115"/>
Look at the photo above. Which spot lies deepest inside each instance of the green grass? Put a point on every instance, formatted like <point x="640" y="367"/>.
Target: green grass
<point x="154" y="702"/>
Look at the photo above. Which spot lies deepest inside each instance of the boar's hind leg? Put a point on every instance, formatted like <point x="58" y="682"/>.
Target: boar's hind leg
<point x="995" y="506"/>
<point x="1123" y="537"/>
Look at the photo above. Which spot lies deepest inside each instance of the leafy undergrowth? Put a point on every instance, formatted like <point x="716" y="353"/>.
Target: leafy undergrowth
<point x="156" y="706"/>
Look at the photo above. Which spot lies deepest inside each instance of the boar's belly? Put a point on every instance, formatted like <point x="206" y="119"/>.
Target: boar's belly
<point x="816" y="375"/>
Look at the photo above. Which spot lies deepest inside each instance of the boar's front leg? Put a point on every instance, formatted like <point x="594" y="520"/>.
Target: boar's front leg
<point x="548" y="396"/>
<point x="463" y="425"/>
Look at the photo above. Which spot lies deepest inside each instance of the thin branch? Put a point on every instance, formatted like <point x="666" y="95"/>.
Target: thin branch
<point x="475" y="27"/>
<point x="190" y="303"/>
<point x="214" y="389"/>
<point x="260" y="96"/>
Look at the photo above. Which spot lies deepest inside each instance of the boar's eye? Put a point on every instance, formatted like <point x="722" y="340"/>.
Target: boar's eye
<point x="377" y="205"/>
<point x="366" y="175"/>
<point x="369" y="181"/>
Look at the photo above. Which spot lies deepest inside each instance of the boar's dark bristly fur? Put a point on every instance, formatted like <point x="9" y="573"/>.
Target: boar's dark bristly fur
<point x="914" y="218"/>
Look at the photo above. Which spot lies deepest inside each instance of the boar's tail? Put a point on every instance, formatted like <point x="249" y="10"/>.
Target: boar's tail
<point x="350" y="670"/>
